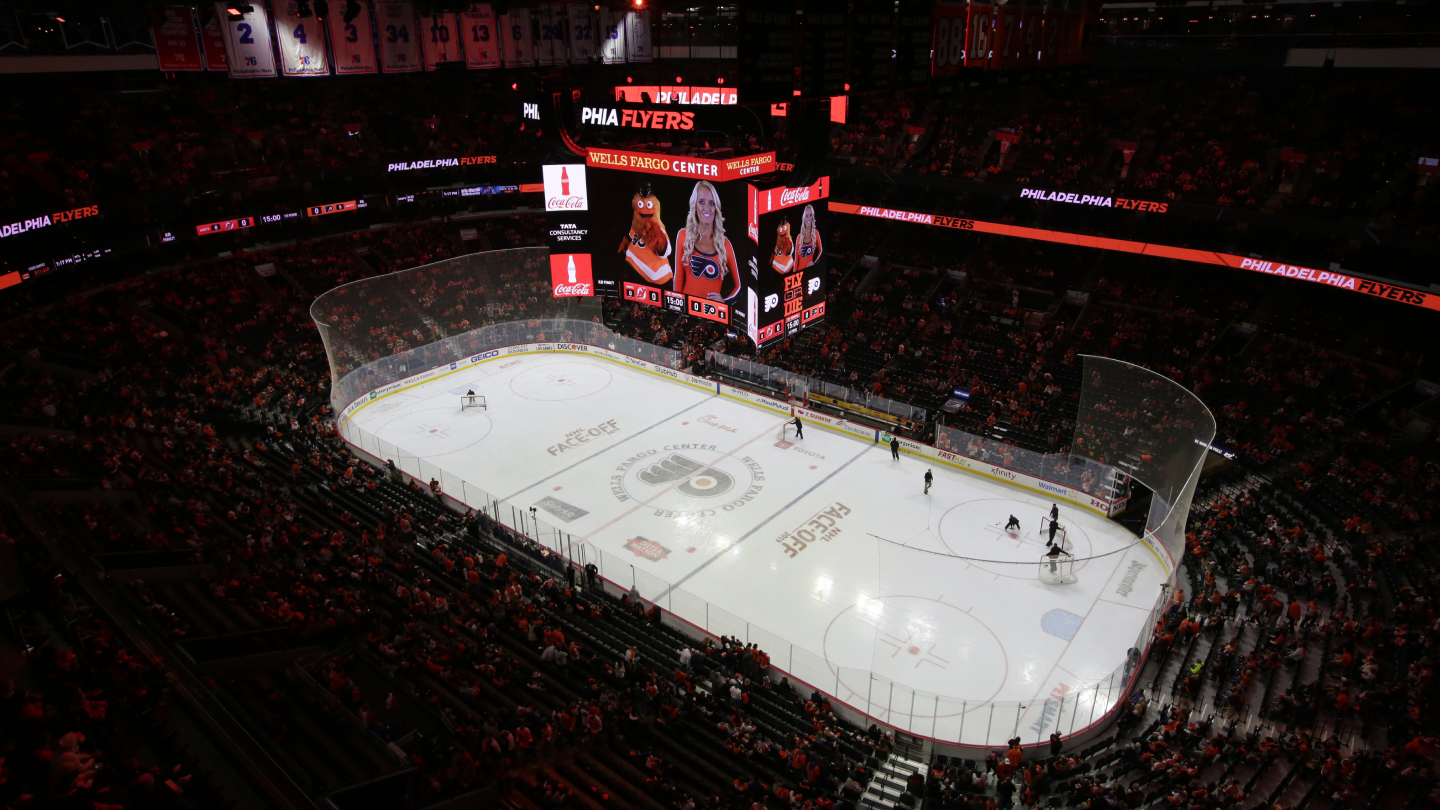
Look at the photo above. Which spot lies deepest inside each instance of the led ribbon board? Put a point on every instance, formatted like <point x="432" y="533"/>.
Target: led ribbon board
<point x="1330" y="278"/>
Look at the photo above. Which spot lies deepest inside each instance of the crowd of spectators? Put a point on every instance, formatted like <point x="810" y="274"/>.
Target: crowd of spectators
<point x="107" y="141"/>
<point x="1343" y="148"/>
<point x="204" y="393"/>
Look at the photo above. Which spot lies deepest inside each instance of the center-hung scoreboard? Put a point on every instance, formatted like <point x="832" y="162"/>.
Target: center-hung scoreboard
<point x="724" y="240"/>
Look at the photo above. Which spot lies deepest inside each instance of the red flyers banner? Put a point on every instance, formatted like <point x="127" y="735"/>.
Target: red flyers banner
<point x="978" y="30"/>
<point x="1005" y="42"/>
<point x="947" y="41"/>
<point x="1029" y="37"/>
<point x="176" y="47"/>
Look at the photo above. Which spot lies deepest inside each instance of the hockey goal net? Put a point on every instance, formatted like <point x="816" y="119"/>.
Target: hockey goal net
<point x="1058" y="570"/>
<point x="1060" y="539"/>
<point x="472" y="401"/>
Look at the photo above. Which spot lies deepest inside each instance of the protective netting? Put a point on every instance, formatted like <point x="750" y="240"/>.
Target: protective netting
<point x="381" y="329"/>
<point x="1151" y="428"/>
<point x="1083" y="474"/>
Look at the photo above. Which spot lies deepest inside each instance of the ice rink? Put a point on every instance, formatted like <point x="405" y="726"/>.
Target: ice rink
<point x="822" y="550"/>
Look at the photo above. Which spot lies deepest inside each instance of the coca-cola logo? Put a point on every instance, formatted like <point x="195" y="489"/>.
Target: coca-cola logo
<point x="790" y="196"/>
<point x="562" y="290"/>
<point x="560" y="203"/>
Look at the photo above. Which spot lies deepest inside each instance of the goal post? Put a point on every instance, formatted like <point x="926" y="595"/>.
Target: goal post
<point x="1058" y="570"/>
<point x="473" y="401"/>
<point x="787" y="431"/>
<point x="1060" y="536"/>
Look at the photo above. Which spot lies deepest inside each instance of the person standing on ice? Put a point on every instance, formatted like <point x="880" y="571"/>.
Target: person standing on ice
<point x="895" y="448"/>
<point x="799" y="428"/>
<point x="1013" y="524"/>
<point x="929" y="479"/>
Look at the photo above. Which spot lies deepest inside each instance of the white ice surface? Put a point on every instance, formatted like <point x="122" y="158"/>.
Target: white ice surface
<point x="688" y="496"/>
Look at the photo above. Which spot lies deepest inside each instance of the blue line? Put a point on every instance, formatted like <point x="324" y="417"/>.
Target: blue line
<point x="762" y="523"/>
<point x="611" y="447"/>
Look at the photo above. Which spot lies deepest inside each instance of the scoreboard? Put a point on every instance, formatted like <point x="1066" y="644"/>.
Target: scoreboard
<point x="713" y="239"/>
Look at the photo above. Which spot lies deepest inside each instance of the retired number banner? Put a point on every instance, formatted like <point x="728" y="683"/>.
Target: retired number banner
<point x="399" y="41"/>
<point x="948" y="42"/>
<point x="637" y="36"/>
<point x="247" y="43"/>
<point x="301" y="41"/>
<point x="612" y="36"/>
<point x="581" y="25"/>
<point x="441" y="39"/>
<point x="482" y="41"/>
<point x="353" y="44"/>
<point x="519" y="38"/>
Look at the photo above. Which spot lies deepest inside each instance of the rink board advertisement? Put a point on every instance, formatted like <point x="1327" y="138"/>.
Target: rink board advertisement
<point x="861" y="432"/>
<point x="1075" y="496"/>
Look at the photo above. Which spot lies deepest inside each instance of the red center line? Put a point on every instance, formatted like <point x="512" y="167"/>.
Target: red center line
<point x="645" y="503"/>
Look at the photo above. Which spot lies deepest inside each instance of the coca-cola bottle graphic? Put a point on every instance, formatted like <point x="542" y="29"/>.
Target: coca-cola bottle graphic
<point x="570" y="267"/>
<point x="565" y="192"/>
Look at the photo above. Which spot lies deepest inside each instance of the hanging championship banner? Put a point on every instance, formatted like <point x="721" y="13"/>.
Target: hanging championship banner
<point x="637" y="36"/>
<point x="247" y="43"/>
<point x="441" y="39"/>
<point x="399" y="41"/>
<point x="612" y="37"/>
<point x="550" y="21"/>
<point x="519" y="38"/>
<point x="176" y="47"/>
<point x="212" y="40"/>
<point x="581" y="25"/>
<point x="482" y="45"/>
<point x="353" y="44"/>
<point x="301" y="41"/>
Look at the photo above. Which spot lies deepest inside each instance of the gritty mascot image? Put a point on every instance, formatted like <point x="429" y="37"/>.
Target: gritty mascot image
<point x="782" y="258"/>
<point x="647" y="246"/>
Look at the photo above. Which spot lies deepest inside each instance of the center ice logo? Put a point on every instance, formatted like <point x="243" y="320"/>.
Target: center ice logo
<point x="675" y="467"/>
<point x="672" y="482"/>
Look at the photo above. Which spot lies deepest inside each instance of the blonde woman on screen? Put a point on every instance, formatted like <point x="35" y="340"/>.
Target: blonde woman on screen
<point x="706" y="259"/>
<point x="807" y="245"/>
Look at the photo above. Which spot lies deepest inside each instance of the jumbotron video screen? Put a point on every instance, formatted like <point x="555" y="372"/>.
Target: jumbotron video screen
<point x="691" y="235"/>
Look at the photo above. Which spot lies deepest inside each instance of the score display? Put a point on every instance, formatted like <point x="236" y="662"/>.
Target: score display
<point x="224" y="225"/>
<point x="661" y="232"/>
<point x="334" y="208"/>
